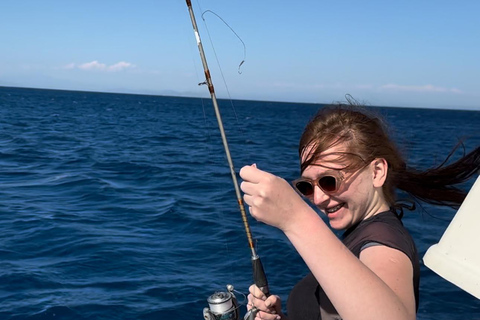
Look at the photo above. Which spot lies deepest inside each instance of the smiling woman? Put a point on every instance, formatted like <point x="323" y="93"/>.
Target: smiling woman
<point x="331" y="181"/>
<point x="350" y="170"/>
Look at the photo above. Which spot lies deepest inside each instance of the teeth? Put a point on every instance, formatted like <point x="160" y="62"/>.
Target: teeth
<point x="333" y="209"/>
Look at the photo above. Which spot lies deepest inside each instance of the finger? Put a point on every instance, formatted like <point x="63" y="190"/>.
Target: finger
<point x="245" y="172"/>
<point x="251" y="289"/>
<point x="257" y="293"/>
<point x="263" y="315"/>
<point x="271" y="300"/>
<point x="250" y="302"/>
<point x="251" y="174"/>
<point x="248" y="187"/>
<point x="248" y="199"/>
<point x="255" y="303"/>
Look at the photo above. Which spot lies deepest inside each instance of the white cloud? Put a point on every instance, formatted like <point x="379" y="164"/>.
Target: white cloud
<point x="425" y="88"/>
<point x="92" y="66"/>
<point x="120" y="66"/>
<point x="95" y="65"/>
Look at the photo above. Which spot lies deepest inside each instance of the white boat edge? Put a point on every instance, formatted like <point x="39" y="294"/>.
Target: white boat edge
<point x="456" y="257"/>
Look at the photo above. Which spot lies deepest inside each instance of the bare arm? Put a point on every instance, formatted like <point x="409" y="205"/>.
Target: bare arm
<point x="378" y="286"/>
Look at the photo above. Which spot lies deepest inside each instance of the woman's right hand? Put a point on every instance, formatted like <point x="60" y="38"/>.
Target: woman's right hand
<point x="272" y="200"/>
<point x="268" y="308"/>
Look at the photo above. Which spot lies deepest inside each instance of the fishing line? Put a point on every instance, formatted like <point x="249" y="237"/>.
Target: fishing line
<point x="243" y="43"/>
<point x="226" y="300"/>
<point x="218" y="61"/>
<point x="258" y="271"/>
<point x="221" y="127"/>
<point x="227" y="243"/>
<point x="208" y="144"/>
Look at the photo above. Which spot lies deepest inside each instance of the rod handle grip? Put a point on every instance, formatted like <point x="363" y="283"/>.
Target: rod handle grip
<point x="259" y="276"/>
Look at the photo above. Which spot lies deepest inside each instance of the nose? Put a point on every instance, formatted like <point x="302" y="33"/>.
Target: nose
<point x="319" y="197"/>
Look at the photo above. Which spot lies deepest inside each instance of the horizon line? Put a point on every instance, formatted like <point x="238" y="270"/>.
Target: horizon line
<point x="237" y="99"/>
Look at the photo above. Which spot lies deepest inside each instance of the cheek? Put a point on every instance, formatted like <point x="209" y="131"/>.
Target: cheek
<point x="358" y="191"/>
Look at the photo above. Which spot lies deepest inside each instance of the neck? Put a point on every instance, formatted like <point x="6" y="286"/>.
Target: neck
<point x="378" y="205"/>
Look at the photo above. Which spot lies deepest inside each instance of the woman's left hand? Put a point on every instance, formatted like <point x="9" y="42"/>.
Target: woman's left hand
<point x="267" y="308"/>
<point x="271" y="199"/>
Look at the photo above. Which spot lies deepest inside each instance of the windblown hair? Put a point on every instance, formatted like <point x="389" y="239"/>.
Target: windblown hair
<point x="365" y="137"/>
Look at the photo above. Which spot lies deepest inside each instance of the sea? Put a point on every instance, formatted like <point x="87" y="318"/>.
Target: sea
<point x="122" y="206"/>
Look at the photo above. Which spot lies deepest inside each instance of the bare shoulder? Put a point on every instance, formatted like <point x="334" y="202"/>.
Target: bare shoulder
<point x="395" y="269"/>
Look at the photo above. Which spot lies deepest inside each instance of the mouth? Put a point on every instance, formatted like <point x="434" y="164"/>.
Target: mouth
<point x="334" y="209"/>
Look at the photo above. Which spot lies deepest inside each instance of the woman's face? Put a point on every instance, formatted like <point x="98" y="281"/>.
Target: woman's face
<point x="357" y="197"/>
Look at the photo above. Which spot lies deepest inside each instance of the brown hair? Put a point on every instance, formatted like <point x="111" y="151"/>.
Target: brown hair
<point x="365" y="135"/>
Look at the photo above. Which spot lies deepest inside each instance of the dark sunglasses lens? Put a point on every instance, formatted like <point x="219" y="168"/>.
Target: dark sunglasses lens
<point x="305" y="188"/>
<point x="328" y="183"/>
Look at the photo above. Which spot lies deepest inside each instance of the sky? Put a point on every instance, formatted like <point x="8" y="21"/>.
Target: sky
<point x="383" y="53"/>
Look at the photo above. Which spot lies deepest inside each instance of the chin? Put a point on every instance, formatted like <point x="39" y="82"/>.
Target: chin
<point x="337" y="225"/>
<point x="340" y="223"/>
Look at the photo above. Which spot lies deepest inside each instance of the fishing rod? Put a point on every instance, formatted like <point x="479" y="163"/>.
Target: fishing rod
<point x="258" y="272"/>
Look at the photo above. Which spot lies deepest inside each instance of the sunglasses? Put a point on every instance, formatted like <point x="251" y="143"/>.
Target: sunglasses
<point x="329" y="183"/>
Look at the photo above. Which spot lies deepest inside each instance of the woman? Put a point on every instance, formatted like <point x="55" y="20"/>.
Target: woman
<point x="350" y="170"/>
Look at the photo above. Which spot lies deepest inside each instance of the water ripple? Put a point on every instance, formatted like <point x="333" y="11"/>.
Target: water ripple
<point x="122" y="206"/>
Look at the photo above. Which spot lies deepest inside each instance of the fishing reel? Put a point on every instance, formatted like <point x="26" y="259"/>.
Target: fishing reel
<point x="223" y="306"/>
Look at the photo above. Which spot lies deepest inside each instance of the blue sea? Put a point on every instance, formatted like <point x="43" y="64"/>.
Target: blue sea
<point x="119" y="206"/>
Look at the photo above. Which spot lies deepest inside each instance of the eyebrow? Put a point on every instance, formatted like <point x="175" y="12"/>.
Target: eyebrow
<point x="326" y="173"/>
<point x="327" y="167"/>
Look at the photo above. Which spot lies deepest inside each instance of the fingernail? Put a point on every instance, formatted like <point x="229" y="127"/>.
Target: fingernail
<point x="254" y="165"/>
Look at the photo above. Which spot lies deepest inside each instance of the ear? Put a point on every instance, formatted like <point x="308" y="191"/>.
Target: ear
<point x="380" y="170"/>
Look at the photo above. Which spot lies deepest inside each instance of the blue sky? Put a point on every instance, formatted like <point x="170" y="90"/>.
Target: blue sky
<point x="388" y="53"/>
